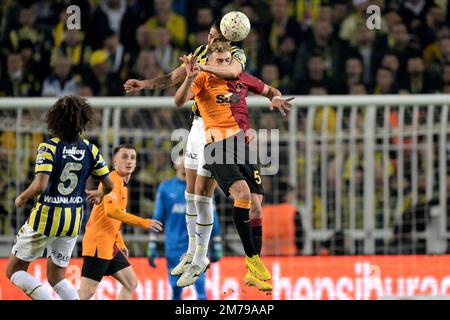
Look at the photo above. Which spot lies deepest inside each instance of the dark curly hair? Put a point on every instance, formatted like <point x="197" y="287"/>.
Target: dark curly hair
<point x="68" y="117"/>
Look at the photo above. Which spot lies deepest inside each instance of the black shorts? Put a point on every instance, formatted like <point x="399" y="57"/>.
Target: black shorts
<point x="231" y="160"/>
<point x="95" y="268"/>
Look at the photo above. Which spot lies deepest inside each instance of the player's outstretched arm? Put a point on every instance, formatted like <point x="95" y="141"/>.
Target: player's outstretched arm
<point x="277" y="102"/>
<point x="184" y="92"/>
<point x="162" y="82"/>
<point x="231" y="71"/>
<point x="38" y="186"/>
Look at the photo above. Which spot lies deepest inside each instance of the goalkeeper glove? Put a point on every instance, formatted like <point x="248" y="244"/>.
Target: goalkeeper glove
<point x="152" y="253"/>
<point x="217" y="250"/>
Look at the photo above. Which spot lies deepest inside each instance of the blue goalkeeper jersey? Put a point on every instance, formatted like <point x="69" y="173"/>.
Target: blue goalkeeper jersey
<point x="170" y="209"/>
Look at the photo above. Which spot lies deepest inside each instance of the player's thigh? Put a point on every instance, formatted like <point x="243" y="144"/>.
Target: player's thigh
<point x="253" y="177"/>
<point x="127" y="278"/>
<point x="191" y="178"/>
<point x="28" y="245"/>
<point x="205" y="186"/>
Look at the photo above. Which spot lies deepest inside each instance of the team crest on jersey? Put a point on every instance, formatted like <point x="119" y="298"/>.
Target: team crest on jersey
<point x="74" y="153"/>
<point x="238" y="87"/>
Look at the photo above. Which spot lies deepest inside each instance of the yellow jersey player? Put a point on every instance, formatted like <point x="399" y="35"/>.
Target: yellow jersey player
<point x="63" y="164"/>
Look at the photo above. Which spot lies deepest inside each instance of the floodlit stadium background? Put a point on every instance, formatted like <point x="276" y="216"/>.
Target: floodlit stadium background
<point x="369" y="173"/>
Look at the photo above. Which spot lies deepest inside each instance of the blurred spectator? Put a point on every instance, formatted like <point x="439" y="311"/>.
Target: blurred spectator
<point x="358" y="89"/>
<point x="339" y="12"/>
<point x="46" y="13"/>
<point x="166" y="55"/>
<point x="427" y="31"/>
<point x="286" y="59"/>
<point x="350" y="27"/>
<point x="445" y="78"/>
<point x="61" y="83"/>
<point x="84" y="91"/>
<point x="315" y="77"/>
<point x="271" y="76"/>
<point x="118" y="58"/>
<point x="353" y="74"/>
<point x="204" y="20"/>
<point x="417" y="80"/>
<point x="108" y="16"/>
<point x="17" y="82"/>
<point x="100" y="78"/>
<point x="401" y="44"/>
<point x="441" y="57"/>
<point x="306" y="12"/>
<point x="31" y="60"/>
<point x="414" y="12"/>
<point x="73" y="48"/>
<point x="370" y="49"/>
<point x="321" y="42"/>
<point x="200" y="37"/>
<point x="147" y="68"/>
<point x="281" y="25"/>
<point x="384" y="83"/>
<point x="254" y="52"/>
<point x="282" y="224"/>
<point x="391" y="62"/>
<point x="167" y="18"/>
<point x="26" y="30"/>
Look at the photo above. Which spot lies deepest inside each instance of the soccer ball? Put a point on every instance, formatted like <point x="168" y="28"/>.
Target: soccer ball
<point x="235" y="26"/>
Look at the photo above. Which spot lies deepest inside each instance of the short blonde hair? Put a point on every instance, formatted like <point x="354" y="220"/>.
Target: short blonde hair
<point x="219" y="46"/>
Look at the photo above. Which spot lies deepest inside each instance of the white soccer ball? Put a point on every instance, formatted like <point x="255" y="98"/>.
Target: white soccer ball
<point x="235" y="26"/>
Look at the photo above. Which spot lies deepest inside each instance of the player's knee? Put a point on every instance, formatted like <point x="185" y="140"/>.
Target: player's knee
<point x="130" y="284"/>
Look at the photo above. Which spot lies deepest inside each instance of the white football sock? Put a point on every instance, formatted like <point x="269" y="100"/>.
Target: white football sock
<point x="31" y="286"/>
<point x="66" y="290"/>
<point x="191" y="219"/>
<point x="203" y="228"/>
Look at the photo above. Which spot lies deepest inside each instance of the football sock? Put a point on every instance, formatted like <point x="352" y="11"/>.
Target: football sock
<point x="191" y="219"/>
<point x="31" y="286"/>
<point x="66" y="290"/>
<point x="203" y="228"/>
<point x="257" y="234"/>
<point x="242" y="222"/>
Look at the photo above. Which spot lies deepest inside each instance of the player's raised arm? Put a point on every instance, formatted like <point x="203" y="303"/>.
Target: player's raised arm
<point x="184" y="92"/>
<point x="162" y="82"/>
<point x="231" y="71"/>
<point x="277" y="102"/>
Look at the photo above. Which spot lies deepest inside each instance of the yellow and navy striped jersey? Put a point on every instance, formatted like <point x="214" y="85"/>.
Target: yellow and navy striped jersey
<point x="201" y="54"/>
<point x="59" y="209"/>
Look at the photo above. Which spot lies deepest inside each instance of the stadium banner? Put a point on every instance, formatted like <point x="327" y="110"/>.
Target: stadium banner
<point x="293" y="278"/>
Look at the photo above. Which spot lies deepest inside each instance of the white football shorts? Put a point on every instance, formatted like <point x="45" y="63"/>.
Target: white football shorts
<point x="30" y="245"/>
<point x="195" y="146"/>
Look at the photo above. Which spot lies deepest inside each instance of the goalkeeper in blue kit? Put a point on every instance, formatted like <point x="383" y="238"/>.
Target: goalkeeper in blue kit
<point x="170" y="209"/>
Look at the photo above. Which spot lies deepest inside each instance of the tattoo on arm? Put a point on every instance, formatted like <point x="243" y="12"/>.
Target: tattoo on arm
<point x="162" y="82"/>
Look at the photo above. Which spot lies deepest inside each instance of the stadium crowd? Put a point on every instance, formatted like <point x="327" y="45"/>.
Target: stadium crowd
<point x="310" y="47"/>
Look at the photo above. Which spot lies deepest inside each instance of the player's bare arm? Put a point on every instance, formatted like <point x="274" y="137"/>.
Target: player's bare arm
<point x="105" y="187"/>
<point x="38" y="185"/>
<point x="184" y="92"/>
<point x="230" y="71"/>
<point x="162" y="82"/>
<point x="277" y="102"/>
